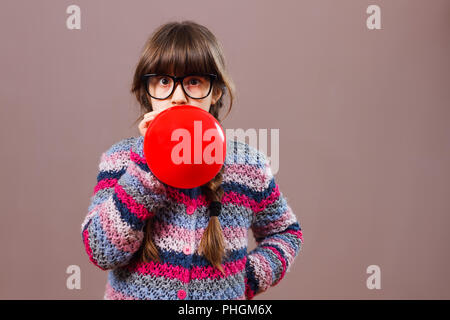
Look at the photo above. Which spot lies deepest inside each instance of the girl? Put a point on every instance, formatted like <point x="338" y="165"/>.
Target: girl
<point x="161" y="242"/>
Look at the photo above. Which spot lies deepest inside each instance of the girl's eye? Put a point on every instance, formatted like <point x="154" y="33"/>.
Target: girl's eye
<point x="164" y="81"/>
<point x="194" y="81"/>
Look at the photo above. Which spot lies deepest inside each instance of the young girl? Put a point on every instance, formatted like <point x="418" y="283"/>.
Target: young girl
<point x="161" y="242"/>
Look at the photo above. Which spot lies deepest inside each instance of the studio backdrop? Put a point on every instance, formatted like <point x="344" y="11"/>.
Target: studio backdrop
<point x="348" y="99"/>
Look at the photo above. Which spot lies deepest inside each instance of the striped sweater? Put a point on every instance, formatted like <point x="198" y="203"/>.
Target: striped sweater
<point x="127" y="194"/>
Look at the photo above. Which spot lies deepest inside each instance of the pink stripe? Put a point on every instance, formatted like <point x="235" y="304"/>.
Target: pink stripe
<point x="283" y="262"/>
<point x="297" y="233"/>
<point x="243" y="200"/>
<point x="249" y="293"/>
<point x="111" y="223"/>
<point x="136" y="157"/>
<point x="284" y="245"/>
<point x="264" y="272"/>
<point x="136" y="208"/>
<point x="210" y="272"/>
<point x="88" y="248"/>
<point x="103" y="184"/>
<point x="178" y="272"/>
<point x="180" y="197"/>
<point x="160" y="270"/>
<point x="271" y="198"/>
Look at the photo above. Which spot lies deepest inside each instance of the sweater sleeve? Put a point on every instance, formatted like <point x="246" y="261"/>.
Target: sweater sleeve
<point x="277" y="233"/>
<point x="125" y="196"/>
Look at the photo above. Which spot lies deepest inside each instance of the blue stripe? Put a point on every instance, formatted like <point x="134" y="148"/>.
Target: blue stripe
<point x="143" y="166"/>
<point x="236" y="187"/>
<point x="245" y="190"/>
<point x="195" y="260"/>
<point x="110" y="174"/>
<point x="127" y="216"/>
<point x="295" y="226"/>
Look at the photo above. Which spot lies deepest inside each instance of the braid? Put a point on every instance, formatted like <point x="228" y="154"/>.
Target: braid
<point x="212" y="244"/>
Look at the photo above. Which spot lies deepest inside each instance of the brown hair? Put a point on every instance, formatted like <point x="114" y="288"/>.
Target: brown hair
<point x="182" y="48"/>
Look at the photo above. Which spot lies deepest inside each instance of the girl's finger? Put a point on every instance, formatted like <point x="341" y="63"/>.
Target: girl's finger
<point x="149" y="119"/>
<point x="146" y="122"/>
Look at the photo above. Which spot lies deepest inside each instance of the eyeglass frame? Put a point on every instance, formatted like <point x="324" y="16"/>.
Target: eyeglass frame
<point x="175" y="79"/>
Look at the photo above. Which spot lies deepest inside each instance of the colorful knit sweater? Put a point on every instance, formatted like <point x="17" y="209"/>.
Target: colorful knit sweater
<point x="127" y="194"/>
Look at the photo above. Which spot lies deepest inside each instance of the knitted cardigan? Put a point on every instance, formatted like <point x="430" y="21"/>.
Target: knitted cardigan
<point x="127" y="194"/>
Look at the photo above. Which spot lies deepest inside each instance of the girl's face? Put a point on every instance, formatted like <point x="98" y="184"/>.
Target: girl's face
<point x="178" y="98"/>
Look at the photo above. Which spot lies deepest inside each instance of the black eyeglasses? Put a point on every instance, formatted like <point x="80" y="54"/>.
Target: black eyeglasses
<point x="161" y="86"/>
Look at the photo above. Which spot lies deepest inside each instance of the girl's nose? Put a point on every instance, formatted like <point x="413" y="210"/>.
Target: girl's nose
<point x="178" y="96"/>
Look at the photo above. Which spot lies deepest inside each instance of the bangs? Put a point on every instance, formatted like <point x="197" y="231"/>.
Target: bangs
<point x="180" y="52"/>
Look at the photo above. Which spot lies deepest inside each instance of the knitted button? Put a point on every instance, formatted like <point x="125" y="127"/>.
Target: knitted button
<point x="187" y="250"/>
<point x="181" y="294"/>
<point x="190" y="210"/>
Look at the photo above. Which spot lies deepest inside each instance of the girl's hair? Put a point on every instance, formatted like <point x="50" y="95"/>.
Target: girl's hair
<point x="182" y="48"/>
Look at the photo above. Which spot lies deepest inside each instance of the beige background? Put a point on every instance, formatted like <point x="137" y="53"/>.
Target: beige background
<point x="363" y="118"/>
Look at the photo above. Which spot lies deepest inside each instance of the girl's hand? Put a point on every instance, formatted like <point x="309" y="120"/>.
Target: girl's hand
<point x="148" y="117"/>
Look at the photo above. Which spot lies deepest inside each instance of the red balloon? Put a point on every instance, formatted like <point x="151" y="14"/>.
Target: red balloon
<point x="185" y="146"/>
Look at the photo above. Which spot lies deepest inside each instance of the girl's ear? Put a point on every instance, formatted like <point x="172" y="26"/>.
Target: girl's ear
<point x="217" y="93"/>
